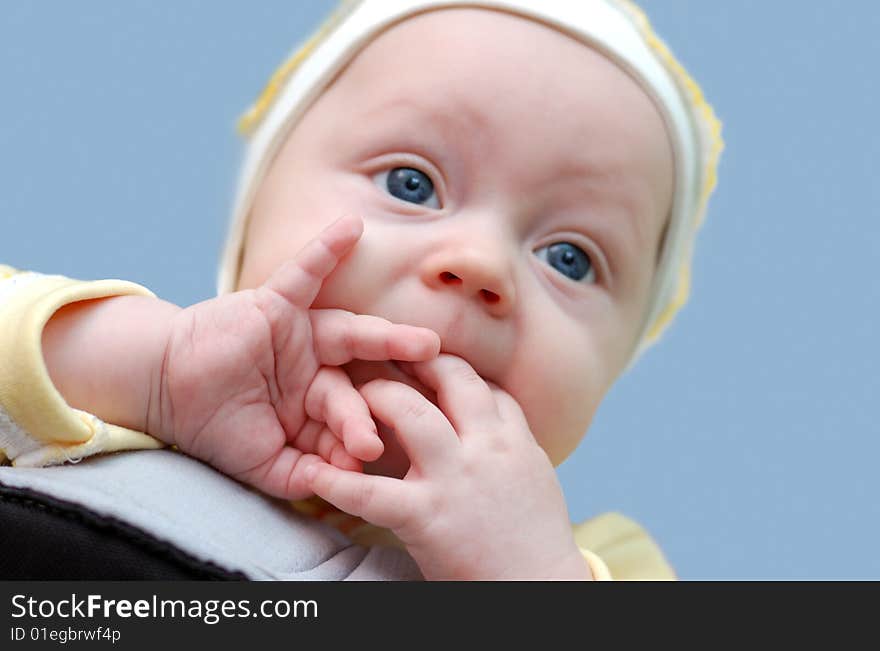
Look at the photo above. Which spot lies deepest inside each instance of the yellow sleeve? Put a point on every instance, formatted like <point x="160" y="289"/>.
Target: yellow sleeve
<point x="37" y="427"/>
<point x="623" y="549"/>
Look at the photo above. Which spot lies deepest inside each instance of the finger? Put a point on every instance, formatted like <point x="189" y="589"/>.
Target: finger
<point x="314" y="437"/>
<point x="424" y="433"/>
<point x="378" y="500"/>
<point x="341" y="336"/>
<point x="333" y="400"/>
<point x="283" y="474"/>
<point x="463" y="396"/>
<point x="299" y="280"/>
<point x="508" y="408"/>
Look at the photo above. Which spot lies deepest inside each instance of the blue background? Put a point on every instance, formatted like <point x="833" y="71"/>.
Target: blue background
<point x="744" y="441"/>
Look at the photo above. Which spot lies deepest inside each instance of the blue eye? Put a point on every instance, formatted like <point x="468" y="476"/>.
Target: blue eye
<point x="568" y="260"/>
<point x="408" y="184"/>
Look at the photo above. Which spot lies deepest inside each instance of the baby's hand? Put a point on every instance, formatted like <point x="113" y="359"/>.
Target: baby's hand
<point x="481" y="499"/>
<point x="250" y="383"/>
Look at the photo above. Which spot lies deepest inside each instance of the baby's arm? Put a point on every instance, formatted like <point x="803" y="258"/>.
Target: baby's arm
<point x="247" y="381"/>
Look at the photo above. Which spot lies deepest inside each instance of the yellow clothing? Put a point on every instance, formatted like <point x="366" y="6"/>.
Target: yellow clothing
<point x="38" y="428"/>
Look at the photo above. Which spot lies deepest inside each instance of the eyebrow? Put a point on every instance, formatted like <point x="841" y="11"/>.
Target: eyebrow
<point x="464" y="118"/>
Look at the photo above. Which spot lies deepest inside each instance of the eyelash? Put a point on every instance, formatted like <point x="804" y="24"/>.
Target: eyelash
<point x="381" y="179"/>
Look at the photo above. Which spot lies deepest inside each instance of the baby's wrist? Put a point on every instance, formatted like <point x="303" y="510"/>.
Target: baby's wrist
<point x="580" y="565"/>
<point x="104" y="356"/>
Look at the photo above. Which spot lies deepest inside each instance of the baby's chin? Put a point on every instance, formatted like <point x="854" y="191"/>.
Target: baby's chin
<point x="393" y="462"/>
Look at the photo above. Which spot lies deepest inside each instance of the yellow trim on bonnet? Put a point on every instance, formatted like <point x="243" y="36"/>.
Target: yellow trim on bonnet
<point x="710" y="120"/>
<point x="248" y="122"/>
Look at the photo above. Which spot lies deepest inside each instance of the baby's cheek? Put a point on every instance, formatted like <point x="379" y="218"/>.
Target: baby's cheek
<point x="572" y="417"/>
<point x="351" y="286"/>
<point x="559" y="399"/>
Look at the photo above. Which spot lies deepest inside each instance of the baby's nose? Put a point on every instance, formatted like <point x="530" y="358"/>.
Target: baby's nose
<point x="483" y="276"/>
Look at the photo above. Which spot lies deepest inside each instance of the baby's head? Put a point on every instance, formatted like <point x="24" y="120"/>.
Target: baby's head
<point x="516" y="187"/>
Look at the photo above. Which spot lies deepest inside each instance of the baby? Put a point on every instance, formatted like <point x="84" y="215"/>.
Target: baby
<point x="456" y="227"/>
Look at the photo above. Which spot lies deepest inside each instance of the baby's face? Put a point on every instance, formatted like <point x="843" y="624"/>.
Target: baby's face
<point x="514" y="185"/>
